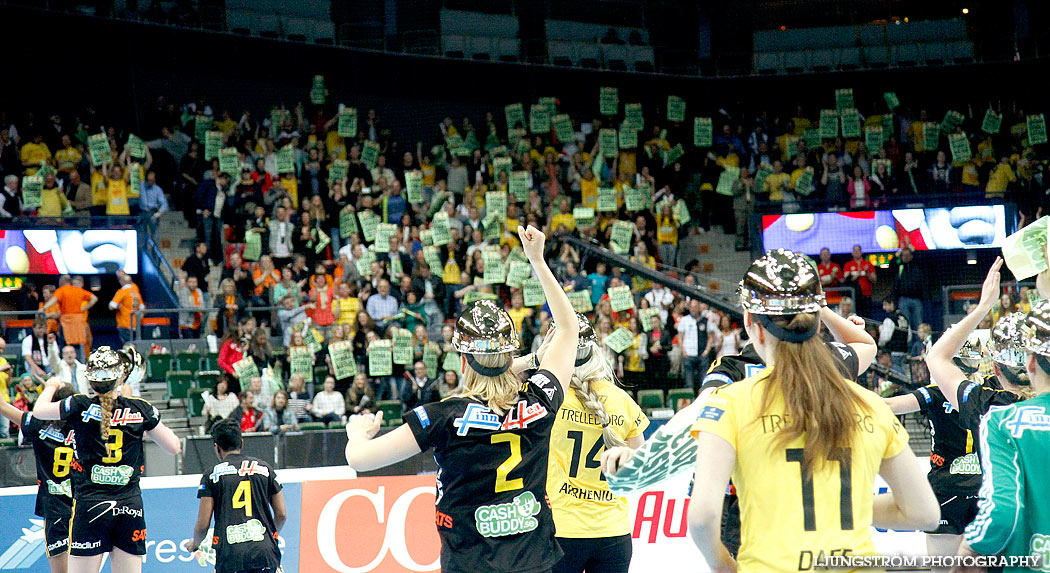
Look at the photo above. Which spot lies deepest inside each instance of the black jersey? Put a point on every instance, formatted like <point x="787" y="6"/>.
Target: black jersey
<point x="108" y="469"/>
<point x="53" y="447"/>
<point x="492" y="511"/>
<point x="953" y="457"/>
<point x="245" y="536"/>
<point x="736" y="367"/>
<point x="975" y="400"/>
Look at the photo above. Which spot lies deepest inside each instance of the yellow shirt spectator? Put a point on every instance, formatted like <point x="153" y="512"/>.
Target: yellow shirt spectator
<point x="334" y="144"/>
<point x="98" y="189"/>
<point x="589" y="192"/>
<point x="1001" y="176"/>
<point x="52" y="202"/>
<point x="67" y="159"/>
<point x="643" y="283"/>
<point x="35" y="153"/>
<point x="291" y="185"/>
<point x="782" y="145"/>
<point x="117" y="198"/>
<point x="518" y="315"/>
<point x="628" y="163"/>
<point x="774" y="185"/>
<point x="5" y="375"/>
<point x="802" y="125"/>
<point x="429" y="174"/>
<point x="565" y="219"/>
<point x="969" y="174"/>
<point x="667" y="231"/>
<point x="916" y="135"/>
<point x="226" y="126"/>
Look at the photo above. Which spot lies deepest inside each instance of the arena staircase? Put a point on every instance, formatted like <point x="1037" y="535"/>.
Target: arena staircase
<point x="176" y="240"/>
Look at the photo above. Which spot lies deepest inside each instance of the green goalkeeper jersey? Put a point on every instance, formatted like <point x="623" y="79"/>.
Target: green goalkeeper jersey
<point x="1013" y="513"/>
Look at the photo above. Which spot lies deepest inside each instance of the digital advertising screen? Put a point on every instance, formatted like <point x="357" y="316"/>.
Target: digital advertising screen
<point x="972" y="227"/>
<point x="59" y="252"/>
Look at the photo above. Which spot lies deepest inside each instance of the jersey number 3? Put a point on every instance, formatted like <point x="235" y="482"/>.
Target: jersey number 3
<point x="113" y="446"/>
<point x="504" y="469"/>
<point x="844" y="457"/>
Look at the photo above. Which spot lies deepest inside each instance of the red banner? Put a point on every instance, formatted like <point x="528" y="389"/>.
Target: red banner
<point x="369" y="525"/>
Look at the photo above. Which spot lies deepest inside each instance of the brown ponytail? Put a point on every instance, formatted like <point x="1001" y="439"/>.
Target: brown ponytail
<point x="107" y="401"/>
<point x="819" y="404"/>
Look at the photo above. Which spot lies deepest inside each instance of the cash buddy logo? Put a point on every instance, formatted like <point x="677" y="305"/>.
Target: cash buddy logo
<point x="517" y="516"/>
<point x="27" y="549"/>
<point x="251" y="530"/>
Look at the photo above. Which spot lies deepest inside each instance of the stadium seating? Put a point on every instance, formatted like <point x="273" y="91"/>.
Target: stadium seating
<point x="649" y="399"/>
<point x="195" y="402"/>
<point x="187" y="361"/>
<point x="679" y="398"/>
<point x="391" y="410"/>
<point x="311" y="426"/>
<point x="159" y="365"/>
<point x="210" y="361"/>
<point x="206" y="379"/>
<point x="179" y="384"/>
<point x="336" y="425"/>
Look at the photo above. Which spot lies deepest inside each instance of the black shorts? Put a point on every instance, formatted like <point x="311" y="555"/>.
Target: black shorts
<point x="97" y="526"/>
<point x="56" y="535"/>
<point x="595" y="554"/>
<point x="957" y="511"/>
<point x="731" y="524"/>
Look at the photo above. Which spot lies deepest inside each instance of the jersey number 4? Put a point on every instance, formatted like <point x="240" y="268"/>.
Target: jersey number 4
<point x="593" y="460"/>
<point x="844" y="457"/>
<point x="242" y="497"/>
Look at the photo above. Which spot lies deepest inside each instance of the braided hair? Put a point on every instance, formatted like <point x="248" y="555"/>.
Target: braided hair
<point x="595" y="371"/>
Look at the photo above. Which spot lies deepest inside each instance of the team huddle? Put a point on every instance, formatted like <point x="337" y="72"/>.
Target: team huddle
<point x="787" y="446"/>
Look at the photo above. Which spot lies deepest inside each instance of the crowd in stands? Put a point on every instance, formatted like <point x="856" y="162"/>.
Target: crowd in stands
<point x="328" y="230"/>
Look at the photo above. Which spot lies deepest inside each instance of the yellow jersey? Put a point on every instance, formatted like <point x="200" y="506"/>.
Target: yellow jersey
<point x="785" y="522"/>
<point x="517" y="316"/>
<point x="348" y="308"/>
<point x="643" y="283"/>
<point x="35" y="153"/>
<point x="580" y="499"/>
<point x="667" y="231"/>
<point x="563" y="219"/>
<point x="117" y="198"/>
<point x="67" y="159"/>
<point x="774" y="185"/>
<point x="98" y="189"/>
<point x="291" y="186"/>
<point x="589" y="192"/>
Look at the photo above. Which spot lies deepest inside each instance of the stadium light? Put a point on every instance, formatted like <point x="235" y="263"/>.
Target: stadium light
<point x="966" y="10"/>
<point x="971" y="257"/>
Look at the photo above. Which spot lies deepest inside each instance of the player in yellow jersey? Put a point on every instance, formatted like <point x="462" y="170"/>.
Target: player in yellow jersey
<point x="801" y="442"/>
<point x="592" y="524"/>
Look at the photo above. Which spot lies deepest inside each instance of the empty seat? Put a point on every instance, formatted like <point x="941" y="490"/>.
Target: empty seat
<point x="195" y="402"/>
<point x="679" y="398"/>
<point x="935" y="53"/>
<point x="312" y="426"/>
<point x="767" y="63"/>
<point x="794" y="62"/>
<point x="872" y="35"/>
<point x="590" y="55"/>
<point x="188" y="361"/>
<point x="962" y="52"/>
<point x="391" y="410"/>
<point x="481" y="48"/>
<point x="615" y="57"/>
<point x="562" y="53"/>
<point x="508" y="49"/>
<point x="453" y="46"/>
<point x="906" y="55"/>
<point x="643" y="58"/>
<point x="179" y="384"/>
<point x="648" y="399"/>
<point x="823" y="60"/>
<point x="849" y="59"/>
<point x="159" y="365"/>
<point x="876" y="56"/>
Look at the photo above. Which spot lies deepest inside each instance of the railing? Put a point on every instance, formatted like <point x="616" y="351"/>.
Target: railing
<point x="957" y="297"/>
<point x="803" y="204"/>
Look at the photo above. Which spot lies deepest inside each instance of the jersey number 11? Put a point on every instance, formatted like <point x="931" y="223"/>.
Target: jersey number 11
<point x="844" y="457"/>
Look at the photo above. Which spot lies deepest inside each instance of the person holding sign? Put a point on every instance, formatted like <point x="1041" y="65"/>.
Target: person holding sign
<point x="491" y="513"/>
<point x="814" y="438"/>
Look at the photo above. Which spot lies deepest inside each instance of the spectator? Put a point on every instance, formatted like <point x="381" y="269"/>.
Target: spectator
<point x="210" y="199"/>
<point x="260" y="351"/>
<point x="909" y="285"/>
<point x="693" y="336"/>
<point x="729" y="337"/>
<point x="859" y="274"/>
<point x="250" y="419"/>
<point x="449" y="384"/>
<point x="79" y="193"/>
<point x="360" y="398"/>
<point x="287" y="287"/>
<point x="321" y="301"/>
<point x="420" y="388"/>
<point x="859" y="189"/>
<point x="279" y="417"/>
<point x="845" y="309"/>
<point x="234" y="343"/>
<point x="264" y="277"/>
<point x="299" y="397"/>
<point x="833" y="178"/>
<point x="73" y="302"/>
<point x="290" y="316"/>
<point x="598" y="281"/>
<point x="196" y="265"/>
<point x="127" y="300"/>
<point x="894" y="333"/>
<point x="262" y="392"/>
<point x="329" y="405"/>
<point x="219" y="405"/>
<point x="830" y="272"/>
<point x="230" y="305"/>
<point x="661" y="298"/>
<point x="53" y="202"/>
<point x="1001" y="176"/>
<point x="10" y="198"/>
<point x="382" y="305"/>
<point x="940" y="175"/>
<point x="631" y="362"/>
<point x="190" y="296"/>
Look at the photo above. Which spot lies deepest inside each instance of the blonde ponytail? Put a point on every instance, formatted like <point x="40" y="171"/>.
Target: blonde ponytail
<point x="107" y="401"/>
<point x="595" y="371"/>
<point x="499" y="392"/>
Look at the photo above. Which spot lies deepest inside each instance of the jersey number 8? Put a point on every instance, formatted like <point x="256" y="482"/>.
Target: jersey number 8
<point x="63" y="458"/>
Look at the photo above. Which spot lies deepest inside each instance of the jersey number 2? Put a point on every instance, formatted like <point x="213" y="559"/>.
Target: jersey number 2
<point x="504" y="469"/>
<point x="844" y="457"/>
<point x="242" y="497"/>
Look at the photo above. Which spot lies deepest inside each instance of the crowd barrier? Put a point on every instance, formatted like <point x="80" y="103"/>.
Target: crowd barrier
<point x="339" y="523"/>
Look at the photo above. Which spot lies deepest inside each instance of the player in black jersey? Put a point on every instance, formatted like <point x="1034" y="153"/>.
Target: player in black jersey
<point x="51" y="443"/>
<point x="490" y="441"/>
<point x="974" y="399"/>
<point x="955" y="469"/>
<point x="107" y="515"/>
<point x="245" y="496"/>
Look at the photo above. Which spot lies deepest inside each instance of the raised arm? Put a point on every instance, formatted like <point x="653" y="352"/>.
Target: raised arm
<point x="939" y="358"/>
<point x="851" y="333"/>
<point x="561" y="357"/>
<point x="364" y="454"/>
<point x="905" y="404"/>
<point x="44" y="408"/>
